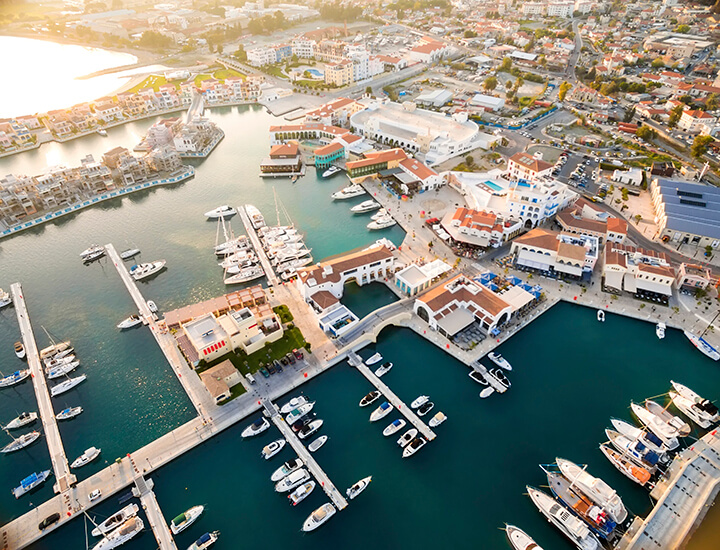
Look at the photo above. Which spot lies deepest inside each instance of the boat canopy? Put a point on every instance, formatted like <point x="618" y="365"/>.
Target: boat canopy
<point x="202" y="540"/>
<point x="29" y="480"/>
<point x="180" y="519"/>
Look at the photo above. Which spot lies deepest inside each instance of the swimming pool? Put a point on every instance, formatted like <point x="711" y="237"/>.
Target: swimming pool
<point x="315" y="72"/>
<point x="492" y="185"/>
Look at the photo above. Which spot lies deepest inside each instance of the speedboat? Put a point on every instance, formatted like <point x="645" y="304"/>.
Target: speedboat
<point x="21" y="442"/>
<point x="649" y="439"/>
<point x="365" y="206"/>
<point x="702" y="408"/>
<point x="376" y="358"/>
<point x="30" y="482"/>
<point x="660" y="330"/>
<point x="636" y="473"/>
<point x="660" y="421"/>
<point x="426" y="408"/>
<point x="571" y="526"/>
<point x="393" y="427"/>
<point x="70" y="412"/>
<point x="690" y="409"/>
<point x="595" y="488"/>
<point x="381" y="223"/>
<point x="307" y="431"/>
<point x="121" y="535"/>
<point x="438" y="419"/>
<point x="67" y="385"/>
<point x="330" y="172"/>
<point x="301" y="493"/>
<point x="86" y="458"/>
<point x="94" y="256"/>
<point x="419" y="401"/>
<point x="129" y="253"/>
<point x="91" y="251"/>
<point x="487" y="392"/>
<point x="703" y="346"/>
<point x="14" y="378"/>
<point x="117" y="519"/>
<point x="23" y="419"/>
<point x="186" y="519"/>
<point x="318" y="517"/>
<point x="478" y="377"/>
<point x="358" y="488"/>
<point x="272" y="448"/>
<point x="499" y="375"/>
<point x="414" y="446"/>
<point x="152" y="306"/>
<point x="370" y="398"/>
<point x="499" y="360"/>
<point x="601" y="315"/>
<point x="383" y="369"/>
<point x="286" y="469"/>
<point x="223" y="212"/>
<point x="296" y="414"/>
<point x="130" y="322"/>
<point x="256" y="218"/>
<point x="303" y="421"/>
<point x="257" y="427"/>
<point x="289" y="482"/>
<point x="317" y="443"/>
<point x="520" y="540"/>
<point x="407" y="437"/>
<point x="349" y="192"/>
<point x="5" y="299"/>
<point x="61" y="370"/>
<point x="245" y="276"/>
<point x="148" y="269"/>
<point x="20" y="350"/>
<point x="381" y="412"/>
<point x="205" y="541"/>
<point x="294" y="403"/>
<point x="635" y="450"/>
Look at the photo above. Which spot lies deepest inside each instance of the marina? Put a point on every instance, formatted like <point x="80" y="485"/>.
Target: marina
<point x="159" y="526"/>
<point x="264" y="261"/>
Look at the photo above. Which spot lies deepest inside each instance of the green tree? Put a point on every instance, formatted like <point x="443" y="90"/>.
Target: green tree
<point x="657" y="63"/>
<point x="490" y="83"/>
<point x="675" y="115"/>
<point x="684" y="29"/>
<point x="712" y="102"/>
<point x="700" y="146"/>
<point x="629" y="115"/>
<point x="240" y="54"/>
<point x="563" y="90"/>
<point x="506" y="64"/>
<point x="646" y="133"/>
<point x="470" y="34"/>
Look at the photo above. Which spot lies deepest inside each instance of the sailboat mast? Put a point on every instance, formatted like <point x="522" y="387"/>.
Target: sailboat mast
<point x="710" y="324"/>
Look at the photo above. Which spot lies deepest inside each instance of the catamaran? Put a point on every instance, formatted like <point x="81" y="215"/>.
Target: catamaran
<point x="349" y="192"/>
<point x="20" y="442"/>
<point x="30" y="482"/>
<point x="121" y="535"/>
<point x="358" y="488"/>
<point x="116" y="520"/>
<point x="148" y="269"/>
<point x="67" y="385"/>
<point x="14" y="378"/>
<point x="23" y="419"/>
<point x="319" y="517"/>
<point x="571" y="526"/>
<point x="186" y="519"/>
<point x="223" y="211"/>
<point x="595" y="488"/>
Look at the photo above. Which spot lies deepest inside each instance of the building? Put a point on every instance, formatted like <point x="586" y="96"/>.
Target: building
<point x="534" y="8"/>
<point x="524" y="166"/>
<point x="434" y="98"/>
<point x="303" y="48"/>
<point x="634" y="176"/>
<point x="414" y="279"/>
<point x="552" y="252"/>
<point x="488" y="102"/>
<point x="560" y="8"/>
<point x="339" y="74"/>
<point x="327" y="154"/>
<point x="335" y="113"/>
<point x="695" y="121"/>
<point x="694" y="277"/>
<point x="284" y="160"/>
<point x="207" y="337"/>
<point x="480" y="228"/>
<point x="428" y="52"/>
<point x="220" y="379"/>
<point x="645" y="274"/>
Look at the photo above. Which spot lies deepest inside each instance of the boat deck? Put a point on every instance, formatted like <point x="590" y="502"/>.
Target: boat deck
<point x="155" y="517"/>
<point x="257" y="245"/>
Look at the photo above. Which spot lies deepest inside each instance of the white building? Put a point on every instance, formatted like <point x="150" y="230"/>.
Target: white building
<point x="303" y="48"/>
<point x="560" y="8"/>
<point x="634" y="176"/>
<point x="428" y="52"/>
<point x="534" y="8"/>
<point x="488" y="102"/>
<point x="695" y="121"/>
<point x="258" y="57"/>
<point x="647" y="274"/>
<point x="413" y="279"/>
<point x="543" y="250"/>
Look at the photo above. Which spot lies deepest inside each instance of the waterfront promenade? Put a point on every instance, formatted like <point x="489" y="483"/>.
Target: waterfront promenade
<point x="251" y="233"/>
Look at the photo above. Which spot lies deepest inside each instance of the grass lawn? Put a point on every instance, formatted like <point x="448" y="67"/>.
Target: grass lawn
<point x="284" y="313"/>
<point x="311" y="83"/>
<point x="236" y="391"/>
<point x="199" y="78"/>
<point x="153" y="81"/>
<point x="222" y="74"/>
<point x="274" y="70"/>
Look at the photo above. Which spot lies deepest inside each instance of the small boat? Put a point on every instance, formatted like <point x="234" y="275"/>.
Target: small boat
<point x="330" y="172"/>
<point x="601" y="315"/>
<point x="487" y="392"/>
<point x="393" y="427"/>
<point x="289" y="482"/>
<point x="23" y="419"/>
<point x="20" y="350"/>
<point x="379" y="214"/>
<point x="152" y="306"/>
<point x="419" y="401"/>
<point x="273" y="448"/>
<point x="186" y="519"/>
<point x="102" y="132"/>
<point x="500" y="377"/>
<point x="129" y="253"/>
<point x="67" y="385"/>
<point x="301" y="493"/>
<point x="256" y="218"/>
<point x="296" y="414"/>
<point x="223" y="212"/>
<point x="205" y="541"/>
<point x="407" y="437"/>
<point x="660" y="330"/>
<point x="358" y="488"/>
<point x="21" y="442"/>
<point x="61" y="370"/>
<point x="257" y="427"/>
<point x="381" y="412"/>
<point x="649" y="439"/>
<point x="70" y="412"/>
<point x="500" y="361"/>
<point x="94" y="256"/>
<point x="86" y="458"/>
<point x="478" y="377"/>
<point x="438" y="419"/>
<point x="635" y="450"/>
<point x="414" y="446"/>
<point x="381" y="223"/>
<point x="370" y="398"/>
<point x="30" y="482"/>
<point x="520" y="540"/>
<point x="426" y="408"/>
<point x="117" y="519"/>
<point x="294" y="403"/>
<point x="595" y="488"/>
<point x="365" y="206"/>
<point x="307" y="431"/>
<point x="14" y="378"/>
<point x="383" y="369"/>
<point x="148" y="269"/>
<point x="121" y="535"/>
<point x="245" y="275"/>
<point x="703" y="346"/>
<point x="638" y="474"/>
<point x="317" y="443"/>
<point x="130" y="322"/>
<point x="318" y="517"/>
<point x="286" y="469"/>
<point x="304" y="421"/>
<point x="349" y="192"/>
<point x="702" y="408"/>
<point x="91" y="251"/>
<point x="571" y="526"/>
<point x="5" y="299"/>
<point x="374" y="359"/>
<point x="94" y="495"/>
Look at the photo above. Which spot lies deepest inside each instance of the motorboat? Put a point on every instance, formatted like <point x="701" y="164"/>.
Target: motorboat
<point x="121" y="535"/>
<point x="130" y="322"/>
<point x="67" y="385"/>
<point x="365" y="206"/>
<point x="703" y="345"/>
<point x="487" y="392"/>
<point x="233" y="245"/>
<point x="286" y="469"/>
<point x="30" y="482"/>
<point x="478" y="377"/>
<point x="703" y="408"/>
<point x="370" y="398"/>
<point x="152" y="306"/>
<point x="21" y="442"/>
<point x="625" y="466"/>
<point x="376" y="358"/>
<point x="414" y="446"/>
<point x="635" y="450"/>
<point x="307" y="431"/>
<point x="294" y="403"/>
<point x="570" y="525"/>
<point x="295" y="414"/>
<point x="407" y="437"/>
<point x="649" y="439"/>
<point x="317" y="443"/>
<point x="520" y="540"/>
<point x="599" y="492"/>
<point x="426" y="408"/>
<point x="91" y="251"/>
<point x="330" y="172"/>
<point x="383" y="369"/>
<point x="289" y="482"/>
<point x="129" y="253"/>
<point x="70" y="412"/>
<point x="94" y="255"/>
<point x="381" y="223"/>
<point x="499" y="375"/>
<point x="245" y="276"/>
<point x="240" y="260"/>
<point x="102" y="132"/>
<point x="660" y="330"/>
<point x="273" y="448"/>
<point x="660" y="421"/>
<point x="23" y="419"/>
<point x="601" y="315"/>
<point x="205" y="541"/>
<point x="223" y="212"/>
<point x="690" y="409"/>
<point x="358" y="488"/>
<point x="148" y="269"/>
<point x="61" y="370"/>
<point x="571" y="496"/>
<point x="303" y="421"/>
<point x="86" y="458"/>
<point x="319" y="517"/>
<point x="5" y="299"/>
<point x="186" y="519"/>
<point x="20" y="350"/>
<point x="394" y="426"/>
<point x="301" y="493"/>
<point x="257" y="427"/>
<point x="438" y="419"/>
<point x="499" y="360"/>
<point x="419" y="401"/>
<point x="116" y="520"/>
<point x="349" y="192"/>
<point x="14" y="378"/>
<point x="381" y="412"/>
<point x="256" y="218"/>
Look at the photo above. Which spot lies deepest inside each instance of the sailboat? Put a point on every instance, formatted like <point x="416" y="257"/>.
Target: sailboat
<point x="67" y="385"/>
<point x="700" y="343"/>
<point x="54" y="350"/>
<point x="20" y="442"/>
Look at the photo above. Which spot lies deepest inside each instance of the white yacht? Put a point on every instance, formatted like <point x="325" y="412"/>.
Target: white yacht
<point x="301" y="493"/>
<point x="662" y="423"/>
<point x="407" y="437"/>
<point x="245" y="276"/>
<point x="289" y="482"/>
<point x="500" y="361"/>
<point x="67" y="385"/>
<point x="296" y="414"/>
<point x="232" y="245"/>
<point x="23" y="419"/>
<point x="186" y="519"/>
<point x="257" y="427"/>
<point x="379" y="214"/>
<point x="381" y="412"/>
<point x="381" y="223"/>
<point x="30" y="482"/>
<point x="703" y="408"/>
<point x="349" y="192"/>
<point x="21" y="442"/>
<point x="317" y="443"/>
<point x="660" y="330"/>
<point x="56" y="362"/>
<point x="256" y="218"/>
<point x="420" y="401"/>
<point x="61" y="370"/>
<point x="5" y="299"/>
<point x="130" y="322"/>
<point x="365" y="206"/>
<point x="425" y="408"/>
<point x="520" y="540"/>
<point x="487" y="392"/>
<point x="286" y="469"/>
<point x="129" y="253"/>
<point x="358" y="488"/>
<point x="117" y="519"/>
<point x="70" y="412"/>
<point x="646" y="437"/>
<point x="595" y="488"/>
<point x="145" y="270"/>
<point x="272" y="448"/>
<point x="414" y="446"/>
<point x="86" y="458"/>
<point x="625" y="466"/>
<point x="56" y="350"/>
<point x="91" y="251"/>
<point x="635" y="449"/>
<point x="370" y="398"/>
<point x="311" y="428"/>
<point x="223" y="212"/>
<point x="102" y="132"/>
<point x="438" y="419"/>
<point x="294" y="403"/>
<point x="14" y="378"/>
<point x="205" y="541"/>
<point x="121" y="535"/>
<point x="703" y="346"/>
<point x="394" y="426"/>
<point x="691" y="409"/>
<point x="318" y="517"/>
<point x="374" y="359"/>
<point x="570" y="525"/>
<point x="330" y="172"/>
<point x="383" y="369"/>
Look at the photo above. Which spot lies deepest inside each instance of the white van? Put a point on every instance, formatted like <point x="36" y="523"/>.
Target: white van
<point x="250" y="378"/>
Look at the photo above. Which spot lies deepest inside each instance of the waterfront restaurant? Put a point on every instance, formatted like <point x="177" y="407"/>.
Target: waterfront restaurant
<point x="550" y="252"/>
<point x="646" y="274"/>
<point x="284" y="160"/>
<point x="414" y="279"/>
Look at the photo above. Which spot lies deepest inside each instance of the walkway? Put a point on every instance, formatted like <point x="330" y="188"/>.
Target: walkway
<point x="494" y="382"/>
<point x="162" y="533"/>
<point x="63" y="477"/>
<point x="250" y="230"/>
<point x="338" y="500"/>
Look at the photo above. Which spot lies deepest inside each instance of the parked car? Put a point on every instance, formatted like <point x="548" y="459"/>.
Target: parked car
<point x="250" y="378"/>
<point x="297" y="353"/>
<point x="277" y="365"/>
<point x="291" y="358"/>
<point x="264" y="372"/>
<point x="271" y="368"/>
<point x="48" y="521"/>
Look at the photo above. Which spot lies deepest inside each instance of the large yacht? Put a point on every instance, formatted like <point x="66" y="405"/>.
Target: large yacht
<point x="661" y="422"/>
<point x="330" y="172"/>
<point x="23" y="419"/>
<point x="520" y="540"/>
<point x="382" y="222"/>
<point x="121" y="535"/>
<point x="635" y="450"/>
<point x="595" y="488"/>
<point x="318" y="517"/>
<point x="256" y="218"/>
<point x="349" y="192"/>
<point x="625" y="466"/>
<point x="646" y="437"/>
<point x="117" y="519"/>
<point x="702" y="411"/>
<point x="245" y="275"/>
<point x="223" y="212"/>
<point x="186" y="519"/>
<point x="294" y="403"/>
<point x="365" y="206"/>
<point x="295" y="414"/>
<point x="145" y="270"/>
<point x="571" y="526"/>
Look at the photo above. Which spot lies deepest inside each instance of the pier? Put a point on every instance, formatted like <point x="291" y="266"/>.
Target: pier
<point x="336" y="497"/>
<point x="477" y="366"/>
<point x="252" y="234"/>
<point x="64" y="479"/>
<point x="394" y="400"/>
<point x="163" y="536"/>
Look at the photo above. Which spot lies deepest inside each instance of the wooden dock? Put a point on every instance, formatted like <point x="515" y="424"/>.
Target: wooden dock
<point x="336" y="497"/>
<point x="477" y="366"/>
<point x="163" y="536"/>
<point x="257" y="245"/>
<point x="64" y="479"/>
